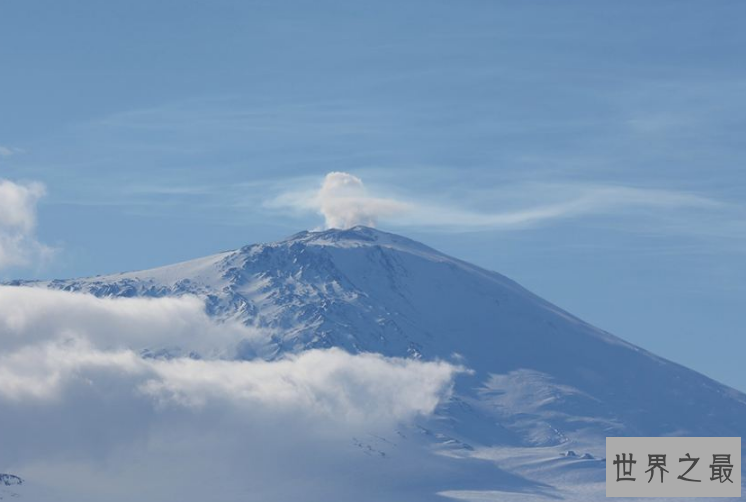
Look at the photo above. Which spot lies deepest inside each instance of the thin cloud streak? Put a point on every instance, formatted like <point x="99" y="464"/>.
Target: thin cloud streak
<point x="9" y="151"/>
<point x="345" y="201"/>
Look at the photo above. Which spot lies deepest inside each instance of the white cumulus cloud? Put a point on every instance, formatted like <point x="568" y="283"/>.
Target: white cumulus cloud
<point x="18" y="243"/>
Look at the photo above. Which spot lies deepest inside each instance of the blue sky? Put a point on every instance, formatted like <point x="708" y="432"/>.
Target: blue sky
<point x="593" y="151"/>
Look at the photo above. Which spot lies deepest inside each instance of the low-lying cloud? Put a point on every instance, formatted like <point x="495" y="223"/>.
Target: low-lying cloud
<point x="18" y="243"/>
<point x="82" y="403"/>
<point x="52" y="337"/>
<point x="30" y="315"/>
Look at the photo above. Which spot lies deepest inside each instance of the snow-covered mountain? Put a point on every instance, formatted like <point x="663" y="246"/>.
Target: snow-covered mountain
<point x="542" y="378"/>
<point x="367" y="290"/>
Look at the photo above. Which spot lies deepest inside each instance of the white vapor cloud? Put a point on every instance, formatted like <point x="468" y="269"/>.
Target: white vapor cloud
<point x="345" y="201"/>
<point x="18" y="243"/>
<point x="83" y="403"/>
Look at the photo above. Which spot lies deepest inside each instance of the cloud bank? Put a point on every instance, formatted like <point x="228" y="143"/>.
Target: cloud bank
<point x="18" y="243"/>
<point x="92" y="418"/>
<point x="34" y="315"/>
<point x="50" y="337"/>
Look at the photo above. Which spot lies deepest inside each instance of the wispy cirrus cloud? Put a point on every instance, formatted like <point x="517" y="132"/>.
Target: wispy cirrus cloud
<point x="9" y="151"/>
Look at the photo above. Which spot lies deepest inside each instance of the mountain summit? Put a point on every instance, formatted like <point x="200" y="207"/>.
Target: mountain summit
<point x="541" y="376"/>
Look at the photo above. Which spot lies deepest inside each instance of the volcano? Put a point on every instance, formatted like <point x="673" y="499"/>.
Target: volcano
<point x="544" y="389"/>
